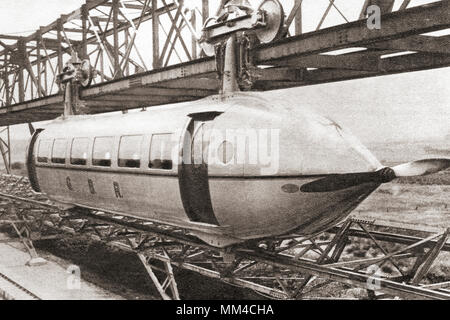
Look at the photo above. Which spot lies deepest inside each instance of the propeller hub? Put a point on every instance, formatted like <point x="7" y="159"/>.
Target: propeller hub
<point x="387" y="174"/>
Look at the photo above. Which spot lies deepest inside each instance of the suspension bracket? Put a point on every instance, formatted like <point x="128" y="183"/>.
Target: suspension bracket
<point x="233" y="31"/>
<point x="76" y="74"/>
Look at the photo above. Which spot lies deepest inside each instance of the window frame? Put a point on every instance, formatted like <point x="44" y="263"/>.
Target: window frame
<point x="89" y="146"/>
<point x="94" y="161"/>
<point x="49" y="150"/>
<point x="172" y="144"/>
<point x="140" y="153"/>
<point x="61" y="161"/>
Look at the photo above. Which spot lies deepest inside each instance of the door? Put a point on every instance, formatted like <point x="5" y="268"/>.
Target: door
<point x="30" y="162"/>
<point x="193" y="172"/>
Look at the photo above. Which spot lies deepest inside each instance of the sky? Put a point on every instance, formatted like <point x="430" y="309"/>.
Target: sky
<point x="407" y="107"/>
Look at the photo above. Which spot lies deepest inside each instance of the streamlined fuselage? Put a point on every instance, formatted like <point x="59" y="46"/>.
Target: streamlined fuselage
<point x="228" y="169"/>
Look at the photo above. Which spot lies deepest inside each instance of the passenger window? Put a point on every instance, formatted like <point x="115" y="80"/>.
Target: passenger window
<point x="130" y="151"/>
<point x="44" y="150"/>
<point x="59" y="151"/>
<point x="101" y="155"/>
<point x="79" y="151"/>
<point x="161" y="152"/>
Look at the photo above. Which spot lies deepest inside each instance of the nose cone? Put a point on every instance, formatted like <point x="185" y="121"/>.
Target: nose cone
<point x="281" y="138"/>
<point x="312" y="144"/>
<point x="284" y="147"/>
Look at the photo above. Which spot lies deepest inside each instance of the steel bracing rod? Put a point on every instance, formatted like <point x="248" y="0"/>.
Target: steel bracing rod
<point x="144" y="66"/>
<point x="339" y="11"/>
<point x="115" y="17"/>
<point x="327" y="11"/>
<point x="100" y="42"/>
<point x="176" y="29"/>
<point x="424" y="263"/>
<point x="133" y="37"/>
<point x="325" y="14"/>
<point x="405" y="4"/>
<point x="296" y="14"/>
<point x="364" y="9"/>
<point x="379" y="246"/>
<point x="5" y="149"/>
<point x="166" y="43"/>
<point x="173" y="44"/>
<point x="188" y="22"/>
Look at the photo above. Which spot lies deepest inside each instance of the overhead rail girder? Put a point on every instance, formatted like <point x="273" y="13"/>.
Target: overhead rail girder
<point x="122" y="68"/>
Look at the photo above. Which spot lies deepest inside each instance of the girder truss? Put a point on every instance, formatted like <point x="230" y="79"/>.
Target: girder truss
<point x="106" y="32"/>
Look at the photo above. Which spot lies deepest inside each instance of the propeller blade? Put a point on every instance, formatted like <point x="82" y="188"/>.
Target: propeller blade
<point x="421" y="167"/>
<point x="338" y="182"/>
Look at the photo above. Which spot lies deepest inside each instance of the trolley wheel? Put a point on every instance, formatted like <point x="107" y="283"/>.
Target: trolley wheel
<point x="275" y="21"/>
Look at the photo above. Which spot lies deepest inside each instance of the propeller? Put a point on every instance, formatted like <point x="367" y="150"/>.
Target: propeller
<point x="337" y="182"/>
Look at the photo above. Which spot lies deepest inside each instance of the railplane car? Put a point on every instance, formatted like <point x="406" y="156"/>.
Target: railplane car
<point x="227" y="168"/>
